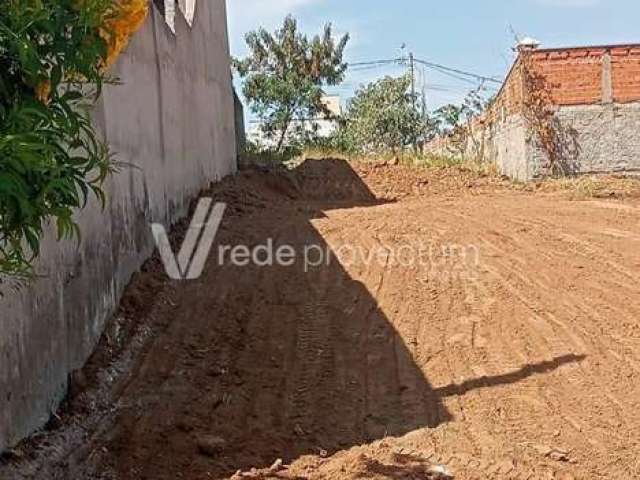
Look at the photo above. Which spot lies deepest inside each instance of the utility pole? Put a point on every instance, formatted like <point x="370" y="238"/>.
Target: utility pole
<point x="412" y="68"/>
<point x="423" y="101"/>
<point x="424" y="94"/>
<point x="412" y="71"/>
<point x="413" y="78"/>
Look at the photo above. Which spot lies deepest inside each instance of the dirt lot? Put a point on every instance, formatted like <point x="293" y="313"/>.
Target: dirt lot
<point x="458" y="323"/>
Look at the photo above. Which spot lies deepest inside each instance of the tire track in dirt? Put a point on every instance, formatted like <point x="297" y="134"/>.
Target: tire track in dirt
<point x="312" y="354"/>
<point x="457" y="366"/>
<point x="590" y="303"/>
<point x="387" y="368"/>
<point x="526" y="408"/>
<point x="546" y="328"/>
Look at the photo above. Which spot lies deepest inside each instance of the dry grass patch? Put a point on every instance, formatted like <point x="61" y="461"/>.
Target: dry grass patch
<point x="593" y="186"/>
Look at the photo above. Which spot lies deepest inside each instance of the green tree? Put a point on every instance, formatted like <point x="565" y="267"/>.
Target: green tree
<point x="451" y="116"/>
<point x="285" y="73"/>
<point x="383" y="116"/>
<point x="456" y="121"/>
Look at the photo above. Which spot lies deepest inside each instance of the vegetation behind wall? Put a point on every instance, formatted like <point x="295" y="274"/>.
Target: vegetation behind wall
<point x="53" y="60"/>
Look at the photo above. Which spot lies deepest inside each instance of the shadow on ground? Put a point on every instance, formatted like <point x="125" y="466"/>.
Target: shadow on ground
<point x="264" y="362"/>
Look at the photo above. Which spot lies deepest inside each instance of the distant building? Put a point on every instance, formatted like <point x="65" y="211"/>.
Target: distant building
<point x="323" y="126"/>
<point x="593" y="96"/>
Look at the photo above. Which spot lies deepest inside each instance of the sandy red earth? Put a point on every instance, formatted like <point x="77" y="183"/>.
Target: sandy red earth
<point x="460" y="326"/>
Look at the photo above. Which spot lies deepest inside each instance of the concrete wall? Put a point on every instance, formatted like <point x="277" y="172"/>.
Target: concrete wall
<point x="594" y="139"/>
<point x="173" y="119"/>
<point x="597" y="139"/>
<point x="507" y="145"/>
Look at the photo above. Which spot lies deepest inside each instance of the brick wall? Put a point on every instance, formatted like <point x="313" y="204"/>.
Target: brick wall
<point x="586" y="76"/>
<point x="576" y="76"/>
<point x="596" y="95"/>
<point x="625" y="63"/>
<point x="511" y="96"/>
<point x="573" y="77"/>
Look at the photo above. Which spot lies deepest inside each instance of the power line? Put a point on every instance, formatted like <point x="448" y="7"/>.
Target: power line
<point x="456" y="73"/>
<point x="375" y="62"/>
<point x="368" y="68"/>
<point x="374" y="65"/>
<point x="456" y="76"/>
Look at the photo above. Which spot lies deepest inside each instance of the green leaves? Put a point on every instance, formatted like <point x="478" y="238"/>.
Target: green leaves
<point x="451" y="117"/>
<point x="51" y="160"/>
<point x="285" y="73"/>
<point x="382" y="117"/>
<point x="455" y="121"/>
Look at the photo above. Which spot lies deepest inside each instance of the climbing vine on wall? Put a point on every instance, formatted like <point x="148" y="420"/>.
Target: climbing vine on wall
<point x="558" y="142"/>
<point x="53" y="60"/>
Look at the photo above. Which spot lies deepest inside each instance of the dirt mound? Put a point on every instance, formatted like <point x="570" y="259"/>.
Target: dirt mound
<point x="397" y="182"/>
<point x="330" y="180"/>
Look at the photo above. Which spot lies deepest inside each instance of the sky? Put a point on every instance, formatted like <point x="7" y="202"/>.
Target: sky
<point x="471" y="35"/>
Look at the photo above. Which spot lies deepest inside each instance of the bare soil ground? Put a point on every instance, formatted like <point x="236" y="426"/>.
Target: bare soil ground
<point x="462" y="325"/>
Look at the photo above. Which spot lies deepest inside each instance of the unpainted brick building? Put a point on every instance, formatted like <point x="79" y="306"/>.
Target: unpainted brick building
<point x="594" y="96"/>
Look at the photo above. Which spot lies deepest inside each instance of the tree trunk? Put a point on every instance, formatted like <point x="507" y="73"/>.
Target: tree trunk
<point x="284" y="133"/>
